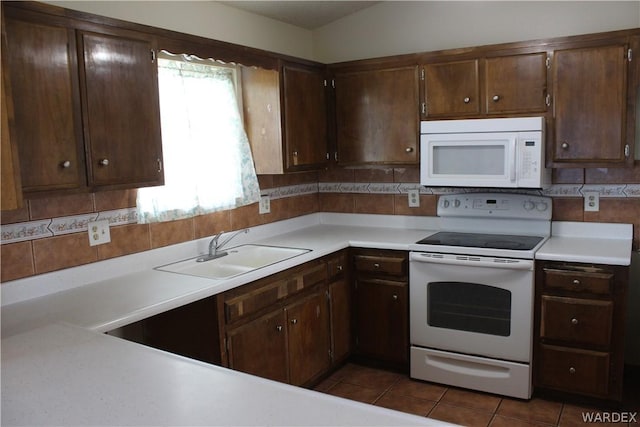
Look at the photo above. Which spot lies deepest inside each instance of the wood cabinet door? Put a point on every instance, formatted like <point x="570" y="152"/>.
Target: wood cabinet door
<point x="46" y="101"/>
<point x="305" y="118"/>
<point x="516" y="84"/>
<point x="377" y="116"/>
<point x="381" y="319"/>
<point x="260" y="347"/>
<point x="11" y="184"/>
<point x="590" y="105"/>
<point x="122" y="113"/>
<point x="452" y="88"/>
<point x="340" y="292"/>
<point x="308" y="330"/>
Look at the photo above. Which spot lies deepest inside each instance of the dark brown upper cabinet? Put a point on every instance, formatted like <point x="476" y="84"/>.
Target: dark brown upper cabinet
<point x="86" y="105"/>
<point x="516" y="84"/>
<point x="590" y="106"/>
<point x="498" y="85"/>
<point x="377" y="119"/>
<point x="285" y="118"/>
<point x="121" y="110"/>
<point x="452" y="89"/>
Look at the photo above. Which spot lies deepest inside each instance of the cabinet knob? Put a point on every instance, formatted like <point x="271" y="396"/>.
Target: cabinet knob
<point x="294" y="321"/>
<point x="395" y="297"/>
<point x="467" y="100"/>
<point x="66" y="164"/>
<point x="574" y="321"/>
<point x="340" y="268"/>
<point x="409" y="149"/>
<point x="279" y="328"/>
<point x="496" y="98"/>
<point x="295" y="154"/>
<point x="576" y="282"/>
<point x="104" y="162"/>
<point x="376" y="265"/>
<point x="572" y="370"/>
<point x="565" y="145"/>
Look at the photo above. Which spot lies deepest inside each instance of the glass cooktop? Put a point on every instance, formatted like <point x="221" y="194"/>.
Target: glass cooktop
<point x="478" y="240"/>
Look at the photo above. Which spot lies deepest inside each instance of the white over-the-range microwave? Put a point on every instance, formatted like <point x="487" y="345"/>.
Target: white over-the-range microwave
<point x="505" y="152"/>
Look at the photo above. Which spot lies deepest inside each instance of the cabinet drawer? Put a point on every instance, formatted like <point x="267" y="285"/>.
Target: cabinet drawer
<point x="574" y="370"/>
<point x="581" y="321"/>
<point x="391" y="265"/>
<point x="596" y="282"/>
<point x="271" y="290"/>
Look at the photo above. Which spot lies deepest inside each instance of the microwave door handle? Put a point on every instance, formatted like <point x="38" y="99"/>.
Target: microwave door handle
<point x="512" y="169"/>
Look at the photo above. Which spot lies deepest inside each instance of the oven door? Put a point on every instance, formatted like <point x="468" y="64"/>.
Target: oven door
<point x="471" y="304"/>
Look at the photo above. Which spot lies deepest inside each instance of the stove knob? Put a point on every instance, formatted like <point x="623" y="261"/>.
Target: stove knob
<point x="542" y="206"/>
<point x="445" y="203"/>
<point x="528" y="205"/>
<point x="456" y="203"/>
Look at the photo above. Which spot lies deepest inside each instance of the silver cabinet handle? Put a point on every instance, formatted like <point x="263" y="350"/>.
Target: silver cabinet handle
<point x="395" y="297"/>
<point x="66" y="164"/>
<point x="340" y="268"/>
<point x="104" y="162"/>
<point x="467" y="100"/>
<point x="576" y="282"/>
<point x="496" y="98"/>
<point x="294" y="321"/>
<point x="574" y="321"/>
<point x="572" y="370"/>
<point x="409" y="149"/>
<point x="376" y="265"/>
<point x="279" y="328"/>
<point x="565" y="145"/>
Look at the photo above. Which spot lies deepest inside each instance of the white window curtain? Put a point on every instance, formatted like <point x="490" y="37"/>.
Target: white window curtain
<point x="207" y="157"/>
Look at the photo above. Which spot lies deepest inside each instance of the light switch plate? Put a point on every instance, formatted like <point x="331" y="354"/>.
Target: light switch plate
<point x="414" y="198"/>
<point x="99" y="232"/>
<point x="591" y="201"/>
<point x="265" y="205"/>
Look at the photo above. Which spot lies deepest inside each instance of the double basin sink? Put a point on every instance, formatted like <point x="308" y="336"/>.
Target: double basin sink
<point x="238" y="260"/>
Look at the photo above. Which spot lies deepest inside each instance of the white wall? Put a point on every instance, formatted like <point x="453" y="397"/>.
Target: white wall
<point x="207" y="19"/>
<point x="398" y="27"/>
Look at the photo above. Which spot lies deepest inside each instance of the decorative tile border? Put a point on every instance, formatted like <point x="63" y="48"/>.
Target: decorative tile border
<point x="32" y="230"/>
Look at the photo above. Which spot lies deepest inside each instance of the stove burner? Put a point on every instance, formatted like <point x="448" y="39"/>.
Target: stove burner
<point x="478" y="240"/>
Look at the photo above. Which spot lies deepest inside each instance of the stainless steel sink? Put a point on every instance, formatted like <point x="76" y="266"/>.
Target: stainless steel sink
<point x="239" y="260"/>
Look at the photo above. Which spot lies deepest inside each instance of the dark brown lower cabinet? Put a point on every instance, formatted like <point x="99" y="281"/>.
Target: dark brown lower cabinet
<point x="308" y="338"/>
<point x="381" y="306"/>
<point x="579" y="329"/>
<point x="260" y="347"/>
<point x="290" y="344"/>
<point x="381" y="320"/>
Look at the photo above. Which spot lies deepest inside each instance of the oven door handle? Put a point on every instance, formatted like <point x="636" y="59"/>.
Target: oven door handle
<point x="473" y="261"/>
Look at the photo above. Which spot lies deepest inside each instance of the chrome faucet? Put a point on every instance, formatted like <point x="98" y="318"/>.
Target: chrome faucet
<point x="214" y="246"/>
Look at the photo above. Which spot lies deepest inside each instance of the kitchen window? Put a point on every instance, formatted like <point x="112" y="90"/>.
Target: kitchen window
<point x="207" y="158"/>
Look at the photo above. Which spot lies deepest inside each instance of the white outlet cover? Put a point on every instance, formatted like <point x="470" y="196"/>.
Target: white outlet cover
<point x="99" y="232"/>
<point x="414" y="198"/>
<point x="591" y="201"/>
<point x="264" y="205"/>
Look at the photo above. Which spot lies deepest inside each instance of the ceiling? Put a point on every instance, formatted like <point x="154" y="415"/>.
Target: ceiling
<point x="304" y="14"/>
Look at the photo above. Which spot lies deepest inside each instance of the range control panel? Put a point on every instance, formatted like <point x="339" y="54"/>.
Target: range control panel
<point x="495" y="205"/>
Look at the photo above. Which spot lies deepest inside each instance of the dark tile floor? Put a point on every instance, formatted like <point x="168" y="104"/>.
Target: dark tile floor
<point x="468" y="408"/>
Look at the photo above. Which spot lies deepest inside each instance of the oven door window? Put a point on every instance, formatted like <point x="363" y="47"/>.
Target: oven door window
<point x="469" y="307"/>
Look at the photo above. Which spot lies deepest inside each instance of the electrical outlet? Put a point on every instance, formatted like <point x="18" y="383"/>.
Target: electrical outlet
<point x="414" y="198"/>
<point x="265" y="205"/>
<point x="99" y="232"/>
<point x="591" y="201"/>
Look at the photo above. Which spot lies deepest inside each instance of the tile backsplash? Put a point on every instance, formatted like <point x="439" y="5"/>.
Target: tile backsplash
<point x="50" y="234"/>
